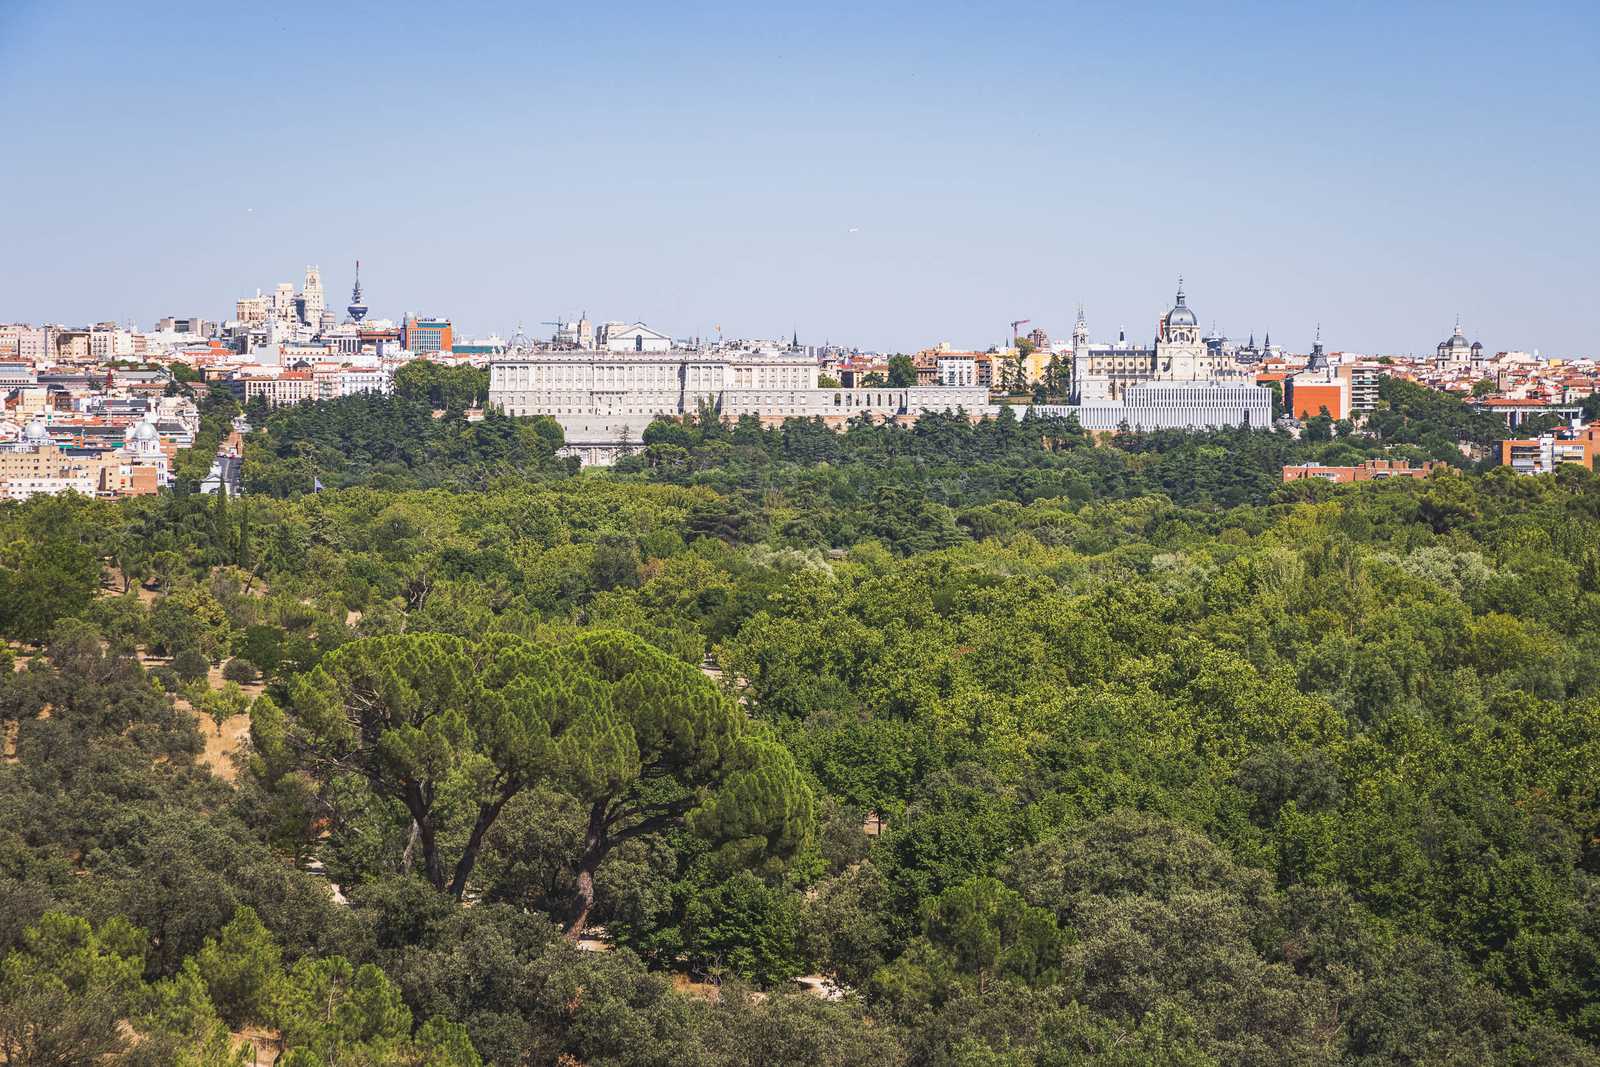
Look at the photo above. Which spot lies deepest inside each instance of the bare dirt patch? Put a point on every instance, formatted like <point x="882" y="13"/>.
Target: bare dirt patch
<point x="221" y="748"/>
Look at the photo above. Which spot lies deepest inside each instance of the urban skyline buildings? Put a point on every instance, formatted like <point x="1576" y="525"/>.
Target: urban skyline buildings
<point x="1299" y="159"/>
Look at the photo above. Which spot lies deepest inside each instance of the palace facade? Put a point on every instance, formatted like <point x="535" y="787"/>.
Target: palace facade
<point x="604" y="400"/>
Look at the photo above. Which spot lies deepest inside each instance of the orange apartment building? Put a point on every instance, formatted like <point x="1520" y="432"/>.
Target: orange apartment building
<point x="1543" y="454"/>
<point x="1308" y="395"/>
<point x="426" y="336"/>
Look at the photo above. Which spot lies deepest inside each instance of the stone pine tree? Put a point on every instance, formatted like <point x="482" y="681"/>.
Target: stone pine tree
<point x="397" y="711"/>
<point x="645" y="742"/>
<point x="663" y="747"/>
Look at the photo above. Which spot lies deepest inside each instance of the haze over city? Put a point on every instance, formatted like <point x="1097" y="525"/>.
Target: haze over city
<point x="886" y="176"/>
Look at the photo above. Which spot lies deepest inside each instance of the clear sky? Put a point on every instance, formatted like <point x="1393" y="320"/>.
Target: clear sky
<point x="888" y="175"/>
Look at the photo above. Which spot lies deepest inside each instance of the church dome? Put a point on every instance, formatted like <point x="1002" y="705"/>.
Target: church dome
<point x="1180" y="315"/>
<point x="146" y="431"/>
<point x="36" y="432"/>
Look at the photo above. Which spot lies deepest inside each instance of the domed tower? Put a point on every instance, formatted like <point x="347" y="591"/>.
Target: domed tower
<point x="1319" y="358"/>
<point x="142" y="438"/>
<point x="1180" y="354"/>
<point x="1179" y="326"/>
<point x="1454" y="352"/>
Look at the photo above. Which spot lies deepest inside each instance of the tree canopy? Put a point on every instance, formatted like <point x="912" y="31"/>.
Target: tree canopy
<point x="1024" y="748"/>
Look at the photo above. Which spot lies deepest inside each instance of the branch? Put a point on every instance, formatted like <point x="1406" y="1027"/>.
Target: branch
<point x="659" y="821"/>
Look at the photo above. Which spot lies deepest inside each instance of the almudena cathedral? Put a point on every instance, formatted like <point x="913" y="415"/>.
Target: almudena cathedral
<point x="606" y="395"/>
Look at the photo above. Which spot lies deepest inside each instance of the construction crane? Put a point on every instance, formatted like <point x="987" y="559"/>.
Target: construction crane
<point x="1014" y="325"/>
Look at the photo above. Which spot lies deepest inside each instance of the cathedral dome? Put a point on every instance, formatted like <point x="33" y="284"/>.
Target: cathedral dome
<point x="1180" y="315"/>
<point x="36" y="432"/>
<point x="146" y="431"/>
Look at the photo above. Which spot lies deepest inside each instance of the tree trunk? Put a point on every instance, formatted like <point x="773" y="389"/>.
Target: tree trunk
<point x="417" y="801"/>
<point x="430" y="855"/>
<point x="487" y="813"/>
<point x="594" y="850"/>
<point x="411" y="848"/>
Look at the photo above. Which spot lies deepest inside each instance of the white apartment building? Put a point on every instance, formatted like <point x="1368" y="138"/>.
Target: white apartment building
<point x="110" y="344"/>
<point x="323" y="381"/>
<point x="24" y="342"/>
<point x="957" y="371"/>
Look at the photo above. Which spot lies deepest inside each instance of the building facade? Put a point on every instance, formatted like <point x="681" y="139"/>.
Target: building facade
<point x="1103" y="373"/>
<point x="1317" y="390"/>
<point x="1366" y="471"/>
<point x="1177" y="383"/>
<point x="1206" y="405"/>
<point x="605" y="399"/>
<point x="1543" y="454"/>
<point x="426" y="336"/>
<point x="1455" y="353"/>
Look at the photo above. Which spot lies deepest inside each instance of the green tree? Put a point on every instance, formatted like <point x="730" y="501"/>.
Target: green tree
<point x="976" y="932"/>
<point x="902" y="372"/>
<point x="656" y="746"/>
<point x="49" y="569"/>
<point x="241" y="968"/>
<point x="65" y="989"/>
<point x="644" y="741"/>
<point x="179" y="1027"/>
<point x="330" y="1013"/>
<point x="219" y="705"/>
<point x="616" y="562"/>
<point x="407" y="714"/>
<point x="743" y="926"/>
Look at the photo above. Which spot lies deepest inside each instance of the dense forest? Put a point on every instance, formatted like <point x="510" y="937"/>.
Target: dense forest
<point x="1038" y="751"/>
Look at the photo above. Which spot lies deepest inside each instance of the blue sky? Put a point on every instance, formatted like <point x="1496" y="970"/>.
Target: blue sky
<point x="882" y="174"/>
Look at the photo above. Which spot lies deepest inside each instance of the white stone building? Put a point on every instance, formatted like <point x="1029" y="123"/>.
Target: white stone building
<point x="620" y="337"/>
<point x="1102" y="373"/>
<point x="604" y="400"/>
<point x="1199" y="405"/>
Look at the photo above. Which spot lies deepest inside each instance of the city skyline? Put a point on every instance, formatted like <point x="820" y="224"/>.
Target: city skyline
<point x="1058" y="332"/>
<point x="888" y="178"/>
